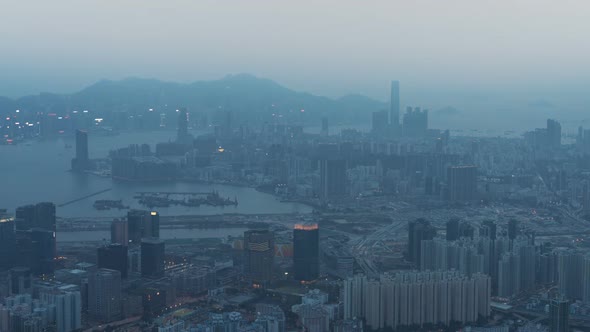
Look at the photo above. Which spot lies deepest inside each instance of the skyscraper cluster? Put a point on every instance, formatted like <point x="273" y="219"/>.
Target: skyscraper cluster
<point x="34" y="233"/>
<point x="514" y="265"/>
<point x="415" y="122"/>
<point x="417" y="299"/>
<point x="142" y="224"/>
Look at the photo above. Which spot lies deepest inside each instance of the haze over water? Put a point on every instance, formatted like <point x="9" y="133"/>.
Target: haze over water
<point x="39" y="172"/>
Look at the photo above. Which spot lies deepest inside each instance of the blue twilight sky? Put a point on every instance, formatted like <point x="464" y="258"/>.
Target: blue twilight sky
<point x="464" y="53"/>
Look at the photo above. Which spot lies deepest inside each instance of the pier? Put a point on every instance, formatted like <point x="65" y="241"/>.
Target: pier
<point x="84" y="197"/>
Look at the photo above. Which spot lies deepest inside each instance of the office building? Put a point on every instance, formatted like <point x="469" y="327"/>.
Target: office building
<point x="153" y="227"/>
<point x="104" y="295"/>
<point x="25" y="217"/>
<point x="43" y="250"/>
<point x="462" y="183"/>
<point x="120" y="232"/>
<point x="142" y="224"/>
<point x="40" y="215"/>
<point x="259" y="256"/>
<point x="81" y="161"/>
<point x="45" y="216"/>
<point x="152" y="258"/>
<point x="559" y="310"/>
<point x="113" y="257"/>
<point x="306" y="247"/>
<point x="418" y="231"/>
<point x="332" y="178"/>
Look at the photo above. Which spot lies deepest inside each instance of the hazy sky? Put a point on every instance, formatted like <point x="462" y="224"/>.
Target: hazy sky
<point x="441" y="50"/>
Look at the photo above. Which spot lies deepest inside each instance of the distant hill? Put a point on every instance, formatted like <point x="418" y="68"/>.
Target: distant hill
<point x="244" y="94"/>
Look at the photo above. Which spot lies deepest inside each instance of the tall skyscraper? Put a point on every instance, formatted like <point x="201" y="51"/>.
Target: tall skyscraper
<point x="153" y="228"/>
<point x="40" y="215"/>
<point x="559" y="311"/>
<point x="394" y="110"/>
<point x="152" y="258"/>
<point x="81" y="161"/>
<point x="462" y="183"/>
<point x="418" y="231"/>
<point x="25" y="217"/>
<point x="120" y="232"/>
<point x="332" y="178"/>
<point x="259" y="255"/>
<point x="113" y="257"/>
<point x="306" y="247"/>
<point x="104" y="295"/>
<point x="43" y="251"/>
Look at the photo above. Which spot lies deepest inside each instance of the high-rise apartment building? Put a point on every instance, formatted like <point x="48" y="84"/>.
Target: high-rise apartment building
<point x="417" y="299"/>
<point x="418" y="231"/>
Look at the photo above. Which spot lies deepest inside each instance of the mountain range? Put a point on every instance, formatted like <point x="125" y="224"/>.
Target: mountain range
<point x="243" y="93"/>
